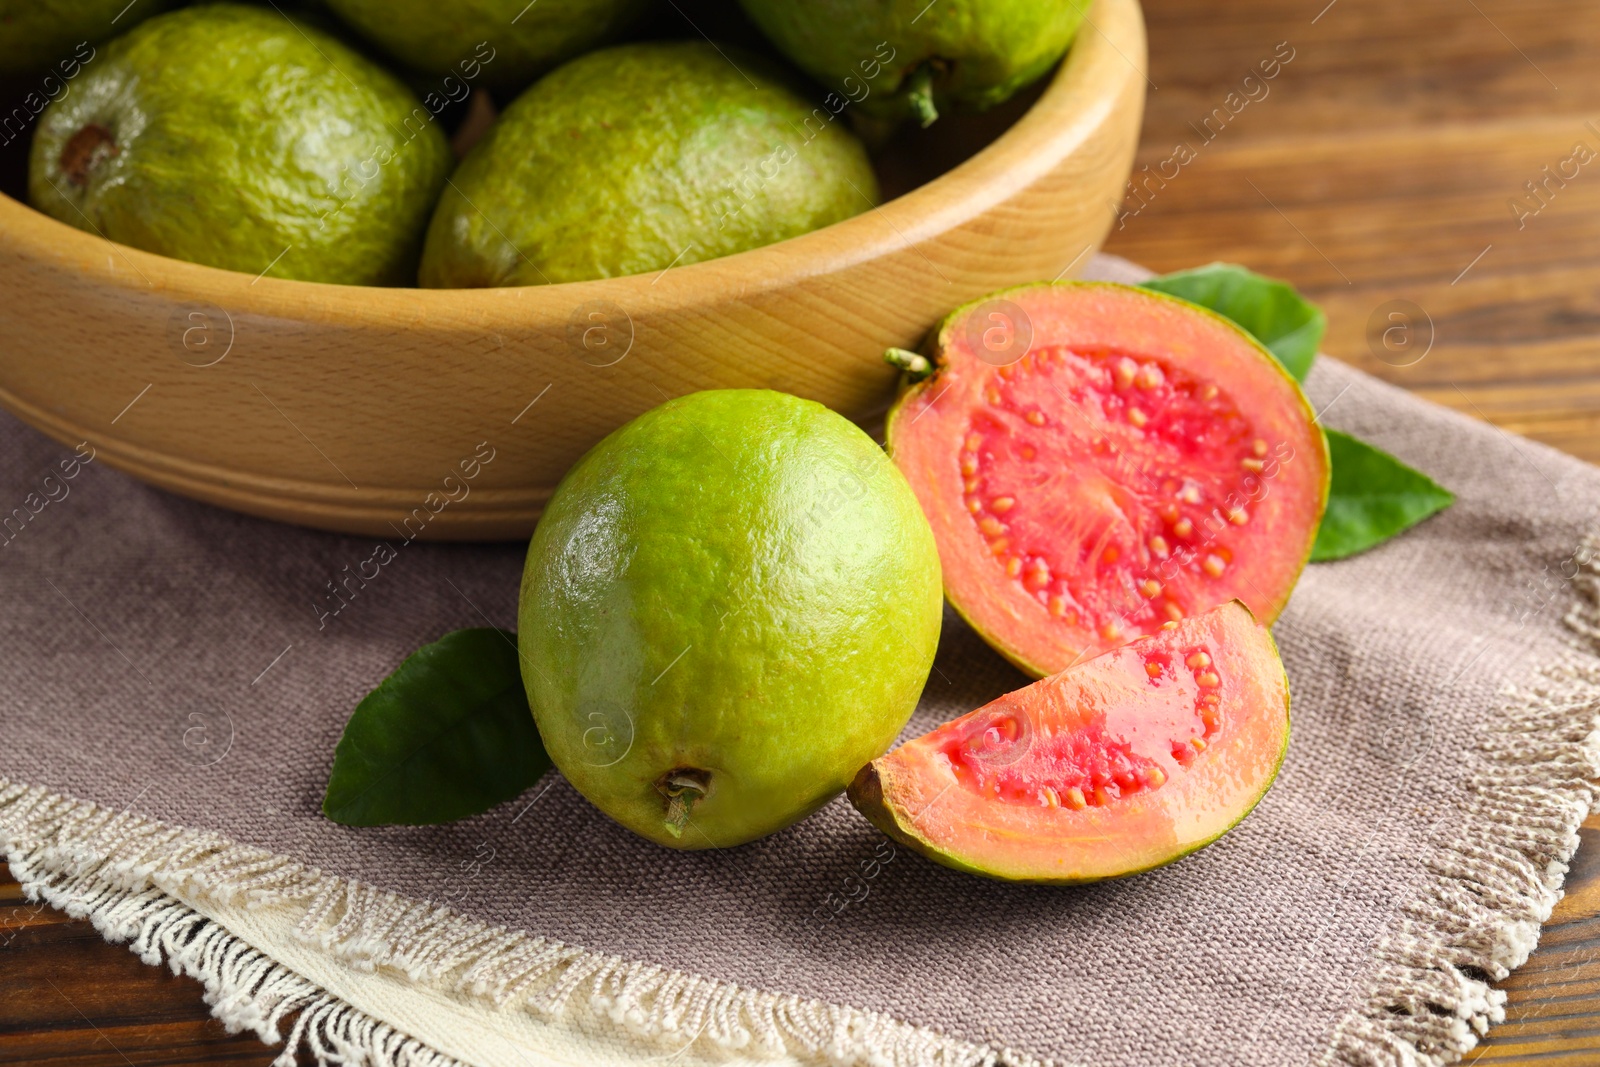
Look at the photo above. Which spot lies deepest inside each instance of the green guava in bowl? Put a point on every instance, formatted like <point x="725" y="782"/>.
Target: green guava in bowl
<point x="640" y="158"/>
<point x="911" y="59"/>
<point x="233" y="136"/>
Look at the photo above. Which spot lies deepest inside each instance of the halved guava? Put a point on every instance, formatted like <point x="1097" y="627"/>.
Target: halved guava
<point x="1125" y="762"/>
<point x="1098" y="459"/>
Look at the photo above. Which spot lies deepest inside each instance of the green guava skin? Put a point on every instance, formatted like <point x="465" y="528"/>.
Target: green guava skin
<point x="241" y="139"/>
<point x="36" y="33"/>
<point x="434" y="38"/>
<point x="737" y="583"/>
<point x="637" y="158"/>
<point x="978" y="52"/>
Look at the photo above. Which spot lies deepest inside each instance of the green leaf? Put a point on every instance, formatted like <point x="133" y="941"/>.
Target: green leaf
<point x="1273" y="312"/>
<point x="1374" y="496"/>
<point x="447" y="735"/>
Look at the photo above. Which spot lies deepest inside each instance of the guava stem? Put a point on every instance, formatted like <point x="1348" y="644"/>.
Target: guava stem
<point x="916" y="365"/>
<point x="683" y="790"/>
<point x="677" y="815"/>
<point x="919" y="95"/>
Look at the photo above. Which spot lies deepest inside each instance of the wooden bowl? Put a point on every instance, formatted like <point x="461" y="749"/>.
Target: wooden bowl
<point x="452" y="414"/>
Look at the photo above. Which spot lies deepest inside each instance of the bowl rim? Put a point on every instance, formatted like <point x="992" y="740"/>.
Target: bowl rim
<point x="1084" y="85"/>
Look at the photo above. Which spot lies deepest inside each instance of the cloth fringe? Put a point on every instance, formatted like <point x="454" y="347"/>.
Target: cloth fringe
<point x="129" y="875"/>
<point x="245" y="989"/>
<point x="1491" y="884"/>
<point x="1488" y="889"/>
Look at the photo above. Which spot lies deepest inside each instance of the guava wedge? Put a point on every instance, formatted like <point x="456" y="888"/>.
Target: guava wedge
<point x="1125" y="762"/>
<point x="1096" y="460"/>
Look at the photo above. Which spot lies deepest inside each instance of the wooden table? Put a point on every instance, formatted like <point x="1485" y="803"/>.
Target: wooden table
<point x="1379" y="166"/>
<point x="1388" y="162"/>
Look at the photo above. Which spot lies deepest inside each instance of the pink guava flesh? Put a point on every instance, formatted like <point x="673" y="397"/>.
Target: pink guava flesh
<point x="1124" y="762"/>
<point x="1143" y="462"/>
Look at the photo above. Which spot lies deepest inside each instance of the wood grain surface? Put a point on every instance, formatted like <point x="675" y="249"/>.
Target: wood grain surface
<point x="1380" y="166"/>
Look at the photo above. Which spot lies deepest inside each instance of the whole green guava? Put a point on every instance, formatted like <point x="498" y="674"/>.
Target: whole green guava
<point x="641" y="157"/>
<point x="512" y="41"/>
<point x="35" y="34"/>
<point x="233" y="136"/>
<point x="911" y="58"/>
<point x="729" y="607"/>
